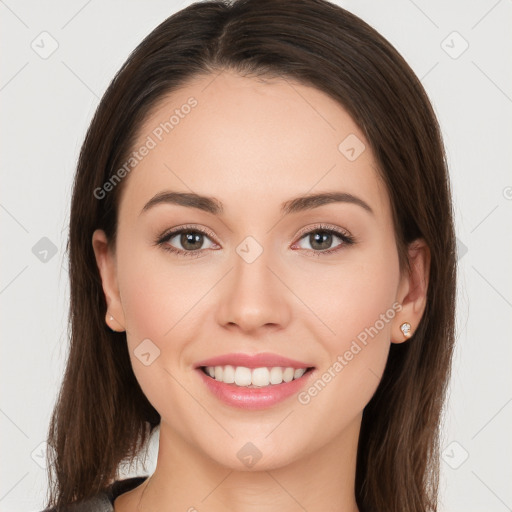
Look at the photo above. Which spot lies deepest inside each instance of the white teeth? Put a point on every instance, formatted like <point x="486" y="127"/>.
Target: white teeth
<point x="260" y="377"/>
<point x="276" y="375"/>
<point x="255" y="377"/>
<point x="229" y="374"/>
<point x="242" y="376"/>
<point x="288" y="374"/>
<point x="299" y="372"/>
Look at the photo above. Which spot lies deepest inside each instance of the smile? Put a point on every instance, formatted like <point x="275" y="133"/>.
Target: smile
<point x="254" y="388"/>
<point x="253" y="377"/>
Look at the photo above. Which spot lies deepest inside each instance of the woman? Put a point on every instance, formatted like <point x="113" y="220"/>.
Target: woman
<point x="262" y="265"/>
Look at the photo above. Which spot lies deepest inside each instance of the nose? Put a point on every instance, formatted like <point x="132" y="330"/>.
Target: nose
<point x="253" y="296"/>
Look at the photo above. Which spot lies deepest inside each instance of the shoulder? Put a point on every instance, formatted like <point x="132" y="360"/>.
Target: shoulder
<point x="103" y="501"/>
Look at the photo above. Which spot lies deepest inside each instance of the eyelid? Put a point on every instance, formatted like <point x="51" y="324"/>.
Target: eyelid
<point x="191" y="227"/>
<point x="341" y="233"/>
<point x="202" y="229"/>
<point x="322" y="226"/>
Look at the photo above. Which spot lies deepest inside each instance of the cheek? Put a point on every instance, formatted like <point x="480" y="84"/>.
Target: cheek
<point x="352" y="297"/>
<point x="146" y="305"/>
<point x="156" y="293"/>
<point x="355" y="300"/>
<point x="158" y="310"/>
<point x="161" y="303"/>
<point x="359" y="307"/>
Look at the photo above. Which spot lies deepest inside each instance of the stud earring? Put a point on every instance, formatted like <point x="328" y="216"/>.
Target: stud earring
<point x="406" y="329"/>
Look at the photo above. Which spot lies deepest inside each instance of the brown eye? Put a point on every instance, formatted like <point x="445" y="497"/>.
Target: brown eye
<point x="185" y="241"/>
<point x="319" y="241"/>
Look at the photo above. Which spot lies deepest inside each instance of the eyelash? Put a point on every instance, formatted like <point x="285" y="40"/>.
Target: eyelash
<point x="320" y="228"/>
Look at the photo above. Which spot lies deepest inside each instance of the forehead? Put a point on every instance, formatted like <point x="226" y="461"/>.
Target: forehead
<point x="250" y="142"/>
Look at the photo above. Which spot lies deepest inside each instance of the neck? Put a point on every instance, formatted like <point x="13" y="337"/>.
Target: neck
<point x="186" y="479"/>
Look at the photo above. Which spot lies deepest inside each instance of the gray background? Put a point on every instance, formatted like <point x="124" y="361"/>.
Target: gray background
<point x="47" y="101"/>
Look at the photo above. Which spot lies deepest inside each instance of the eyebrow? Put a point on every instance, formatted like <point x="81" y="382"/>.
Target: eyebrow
<point x="214" y="206"/>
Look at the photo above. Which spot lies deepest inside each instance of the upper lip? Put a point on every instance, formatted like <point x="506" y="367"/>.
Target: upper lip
<point x="253" y="361"/>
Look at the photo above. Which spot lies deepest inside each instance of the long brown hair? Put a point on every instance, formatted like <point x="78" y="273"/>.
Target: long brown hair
<point x="102" y="418"/>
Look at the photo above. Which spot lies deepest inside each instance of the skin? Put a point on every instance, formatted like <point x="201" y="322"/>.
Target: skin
<point x="253" y="145"/>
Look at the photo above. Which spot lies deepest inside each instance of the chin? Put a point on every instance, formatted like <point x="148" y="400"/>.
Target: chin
<point x="257" y="454"/>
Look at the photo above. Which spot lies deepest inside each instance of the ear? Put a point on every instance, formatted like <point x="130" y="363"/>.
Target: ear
<point x="106" y="261"/>
<point x="412" y="290"/>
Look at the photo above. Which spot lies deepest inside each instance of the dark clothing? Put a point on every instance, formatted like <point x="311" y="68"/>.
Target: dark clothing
<point x="104" y="501"/>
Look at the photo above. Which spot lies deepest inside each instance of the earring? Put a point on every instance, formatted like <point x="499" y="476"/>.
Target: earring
<point x="406" y="329"/>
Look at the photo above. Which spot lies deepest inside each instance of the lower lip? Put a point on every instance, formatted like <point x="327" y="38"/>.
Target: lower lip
<point x="254" y="398"/>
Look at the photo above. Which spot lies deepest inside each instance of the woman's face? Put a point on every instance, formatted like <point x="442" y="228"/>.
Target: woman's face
<point x="264" y="278"/>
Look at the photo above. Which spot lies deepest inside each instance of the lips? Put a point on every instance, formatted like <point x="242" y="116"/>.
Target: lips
<point x="274" y="378"/>
<point x="254" y="361"/>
